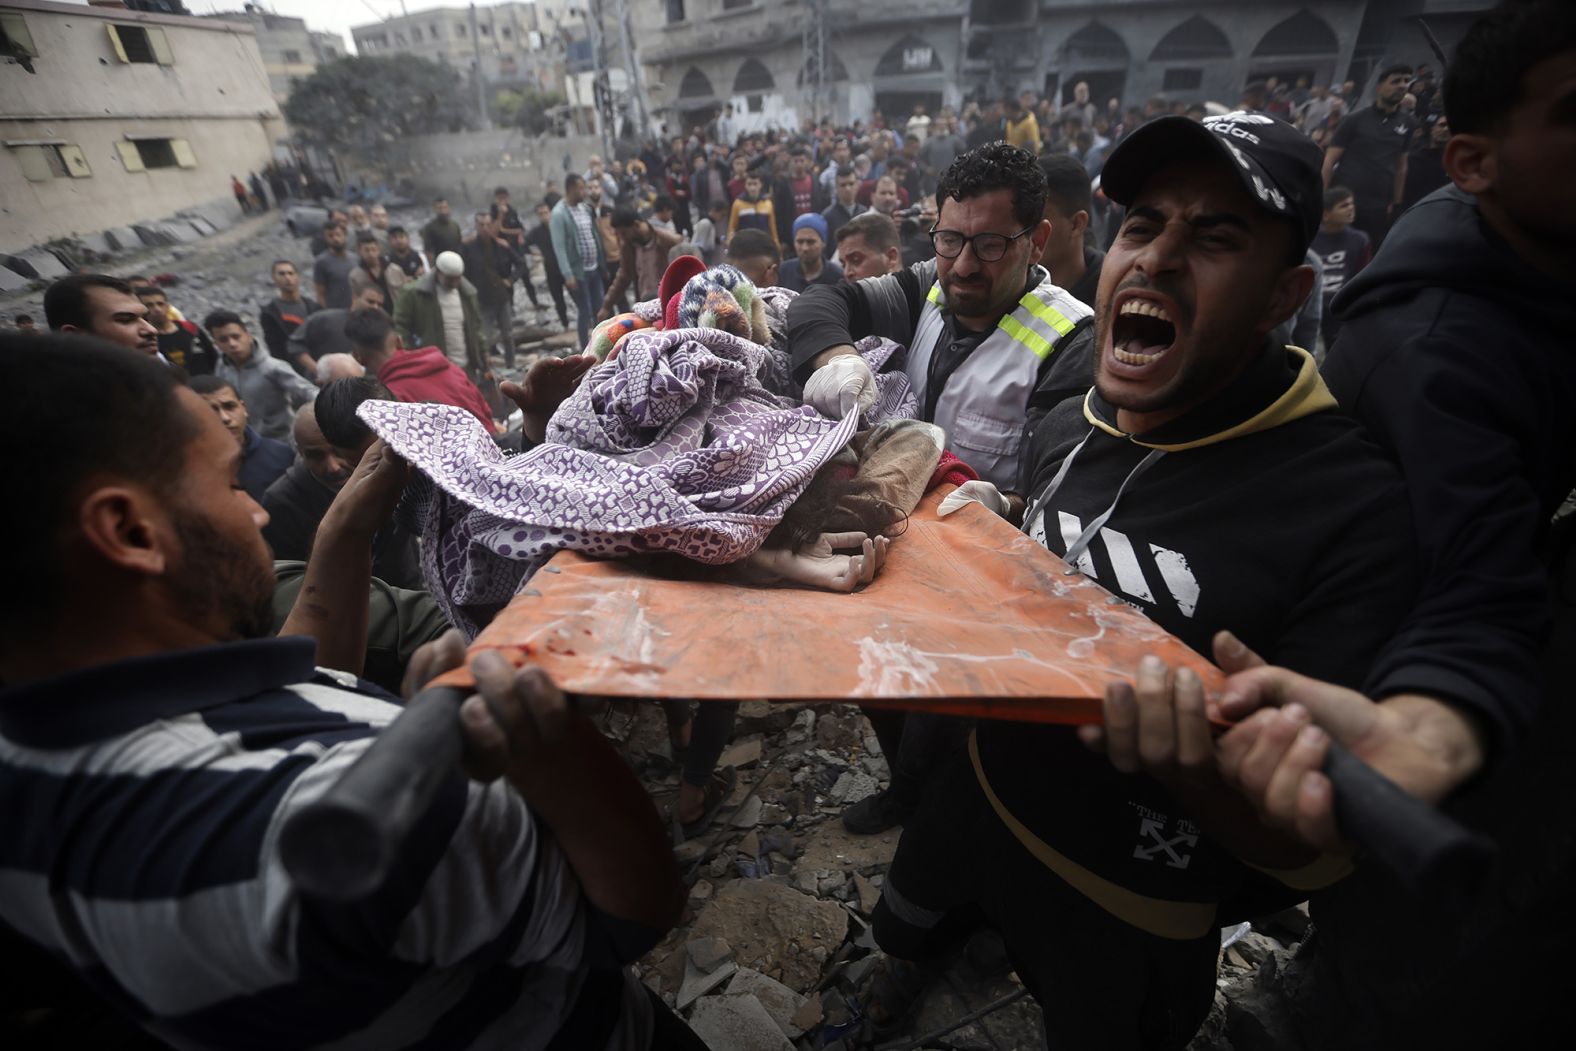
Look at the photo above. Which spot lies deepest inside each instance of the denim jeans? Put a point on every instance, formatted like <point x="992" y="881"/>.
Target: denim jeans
<point x="588" y="300"/>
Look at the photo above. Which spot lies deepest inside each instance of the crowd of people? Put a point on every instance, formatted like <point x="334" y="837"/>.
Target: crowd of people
<point x="1288" y="380"/>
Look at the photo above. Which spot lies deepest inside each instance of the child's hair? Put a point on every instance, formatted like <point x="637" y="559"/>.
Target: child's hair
<point x="1336" y="195"/>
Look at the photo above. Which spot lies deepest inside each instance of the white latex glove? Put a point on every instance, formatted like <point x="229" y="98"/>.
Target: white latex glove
<point x="975" y="492"/>
<point x="845" y="383"/>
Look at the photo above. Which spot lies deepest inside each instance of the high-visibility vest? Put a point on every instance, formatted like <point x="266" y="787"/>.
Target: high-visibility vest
<point x="984" y="405"/>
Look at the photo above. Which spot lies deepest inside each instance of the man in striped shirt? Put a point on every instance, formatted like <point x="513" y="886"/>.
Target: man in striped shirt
<point x="153" y="740"/>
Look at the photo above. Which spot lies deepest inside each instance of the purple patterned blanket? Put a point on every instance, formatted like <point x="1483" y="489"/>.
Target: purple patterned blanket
<point x="673" y="446"/>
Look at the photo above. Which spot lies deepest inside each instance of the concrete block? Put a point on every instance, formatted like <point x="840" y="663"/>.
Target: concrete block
<point x="19" y="265"/>
<point x="98" y="242"/>
<point x="220" y="215"/>
<point x="154" y="234"/>
<point x="46" y="263"/>
<point x="10" y="280"/>
<point x="202" y="226"/>
<point x="122" y="238"/>
<point x="179" y="231"/>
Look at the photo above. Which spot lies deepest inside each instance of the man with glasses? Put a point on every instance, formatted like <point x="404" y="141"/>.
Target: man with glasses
<point x="991" y="339"/>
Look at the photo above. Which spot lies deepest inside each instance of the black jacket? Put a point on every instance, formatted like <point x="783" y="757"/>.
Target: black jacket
<point x="296" y="504"/>
<point x="1264" y="511"/>
<point x="1456" y="357"/>
<point x="278" y="324"/>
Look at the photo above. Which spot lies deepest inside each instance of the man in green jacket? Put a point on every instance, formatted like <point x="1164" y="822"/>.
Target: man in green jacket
<point x="440" y="309"/>
<point x="580" y="253"/>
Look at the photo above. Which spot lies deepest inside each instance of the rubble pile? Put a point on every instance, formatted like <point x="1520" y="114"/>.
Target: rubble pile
<point x="775" y="941"/>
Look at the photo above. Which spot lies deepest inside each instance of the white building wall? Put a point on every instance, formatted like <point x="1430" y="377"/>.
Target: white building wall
<point x="214" y="94"/>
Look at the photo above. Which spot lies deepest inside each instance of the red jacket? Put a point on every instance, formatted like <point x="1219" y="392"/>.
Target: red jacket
<point x="426" y="375"/>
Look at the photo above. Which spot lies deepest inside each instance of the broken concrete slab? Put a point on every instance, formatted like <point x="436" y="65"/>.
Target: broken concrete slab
<point x="853" y="786"/>
<point x="122" y="238"/>
<point x="781" y="1002"/>
<point x="869" y="894"/>
<point x="708" y="954"/>
<point x="741" y="753"/>
<point x="697" y="983"/>
<point x="183" y="232"/>
<point x="748" y="813"/>
<point x="10" y="280"/>
<point x="202" y="226"/>
<point x="97" y="242"/>
<point x="774" y="929"/>
<point x="153" y="234"/>
<point x="809" y="1014"/>
<point x="738" y="1023"/>
<point x="45" y="262"/>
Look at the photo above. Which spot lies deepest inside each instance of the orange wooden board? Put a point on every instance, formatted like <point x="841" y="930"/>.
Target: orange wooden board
<point x="968" y="617"/>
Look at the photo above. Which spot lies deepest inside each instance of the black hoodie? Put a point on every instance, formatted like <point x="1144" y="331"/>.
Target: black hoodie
<point x="1457" y="358"/>
<point x="1264" y="511"/>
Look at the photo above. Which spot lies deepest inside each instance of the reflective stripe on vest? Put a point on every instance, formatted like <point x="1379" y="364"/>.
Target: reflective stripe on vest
<point x="985" y="402"/>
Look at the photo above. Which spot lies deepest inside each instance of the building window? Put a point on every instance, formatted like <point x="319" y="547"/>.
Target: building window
<point x="433" y="29"/>
<point x="459" y="29"/>
<point x="1183" y="79"/>
<point x="330" y="52"/>
<point x="506" y="33"/>
<point x="292" y="58"/>
<point x="734" y="5"/>
<point x="139" y="44"/>
<point x="675" y="11"/>
<point x="415" y="33"/>
<point x="754" y="103"/>
<point x="148" y="154"/>
<point x="484" y="29"/>
<point x="15" y="40"/>
<point x="46" y="161"/>
<point x="399" y="39"/>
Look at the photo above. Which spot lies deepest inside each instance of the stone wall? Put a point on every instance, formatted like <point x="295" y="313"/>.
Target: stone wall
<point x="467" y="166"/>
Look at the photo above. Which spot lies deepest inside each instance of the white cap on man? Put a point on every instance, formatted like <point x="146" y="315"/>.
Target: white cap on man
<point x="450" y="264"/>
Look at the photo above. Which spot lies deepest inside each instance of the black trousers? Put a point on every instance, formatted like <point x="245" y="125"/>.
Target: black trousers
<point x="915" y="744"/>
<point x="713" y="730"/>
<point x="555" y="288"/>
<point x="1099" y="981"/>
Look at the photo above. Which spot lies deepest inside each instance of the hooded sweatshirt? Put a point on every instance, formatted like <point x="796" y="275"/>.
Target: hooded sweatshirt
<point x="1264" y="511"/>
<point x="427" y="375"/>
<point x="1457" y="358"/>
<point x="271" y="390"/>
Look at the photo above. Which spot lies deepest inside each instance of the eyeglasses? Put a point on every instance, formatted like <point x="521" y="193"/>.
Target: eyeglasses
<point x="988" y="247"/>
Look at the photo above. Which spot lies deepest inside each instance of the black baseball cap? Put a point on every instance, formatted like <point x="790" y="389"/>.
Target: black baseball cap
<point x="1279" y="165"/>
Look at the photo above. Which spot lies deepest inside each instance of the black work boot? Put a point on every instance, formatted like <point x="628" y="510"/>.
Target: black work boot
<point x="886" y="809"/>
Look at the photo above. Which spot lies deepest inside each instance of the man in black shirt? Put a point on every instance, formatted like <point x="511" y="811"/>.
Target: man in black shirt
<point x="402" y="255"/>
<point x="285" y="313"/>
<point x="1425" y="168"/>
<point x="1073" y="262"/>
<point x="441" y="234"/>
<point x="1368" y="154"/>
<point x="1208" y="480"/>
<point x="183" y="343"/>
<point x="491" y="264"/>
<point x="540" y="238"/>
<point x="298" y="500"/>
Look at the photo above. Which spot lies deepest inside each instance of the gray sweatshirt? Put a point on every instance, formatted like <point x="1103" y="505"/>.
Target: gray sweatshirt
<point x="271" y="390"/>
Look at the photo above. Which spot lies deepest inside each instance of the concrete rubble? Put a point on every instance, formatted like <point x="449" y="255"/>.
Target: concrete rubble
<point x="777" y="927"/>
